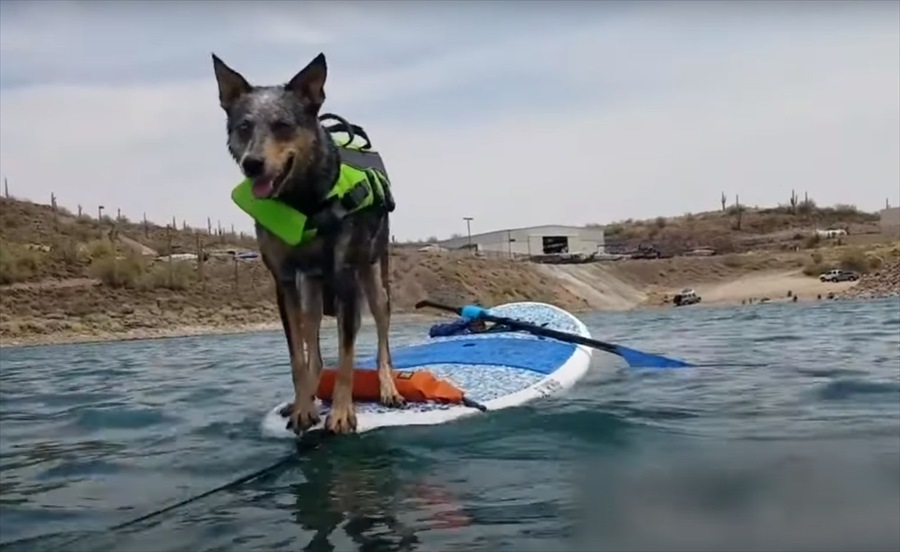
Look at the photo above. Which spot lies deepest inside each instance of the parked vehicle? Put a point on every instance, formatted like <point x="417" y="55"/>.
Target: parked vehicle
<point x="686" y="297"/>
<point x="838" y="275"/>
<point x="646" y="251"/>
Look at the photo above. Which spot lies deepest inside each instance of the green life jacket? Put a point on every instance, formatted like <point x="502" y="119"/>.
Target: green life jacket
<point x="362" y="183"/>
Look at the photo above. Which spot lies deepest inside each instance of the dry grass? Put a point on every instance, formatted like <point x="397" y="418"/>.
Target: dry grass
<point x="846" y="258"/>
<point x="776" y="228"/>
<point x="18" y="263"/>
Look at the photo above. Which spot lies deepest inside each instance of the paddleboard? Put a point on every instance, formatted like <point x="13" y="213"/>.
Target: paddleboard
<point x="498" y="370"/>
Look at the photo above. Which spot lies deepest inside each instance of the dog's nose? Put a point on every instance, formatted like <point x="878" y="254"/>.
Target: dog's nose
<point x="252" y="166"/>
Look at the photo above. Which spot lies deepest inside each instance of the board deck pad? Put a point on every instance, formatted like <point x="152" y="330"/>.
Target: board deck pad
<point x="498" y="370"/>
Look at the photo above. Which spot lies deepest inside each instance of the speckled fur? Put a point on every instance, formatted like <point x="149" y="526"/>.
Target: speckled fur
<point x="276" y="128"/>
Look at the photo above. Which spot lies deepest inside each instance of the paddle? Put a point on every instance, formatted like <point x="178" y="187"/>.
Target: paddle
<point x="635" y="359"/>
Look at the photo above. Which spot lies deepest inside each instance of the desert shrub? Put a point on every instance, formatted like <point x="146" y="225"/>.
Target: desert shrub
<point x="815" y="265"/>
<point x="845" y="210"/>
<point x="64" y="251"/>
<point x="176" y="275"/>
<point x="854" y="259"/>
<point x="660" y="222"/>
<point x="722" y="243"/>
<point x="767" y="223"/>
<point x="122" y="271"/>
<point x="18" y="263"/>
<point x="98" y="249"/>
<point x="813" y="241"/>
<point x="84" y="230"/>
<point x="806" y="207"/>
<point x="614" y="229"/>
<point x="813" y="268"/>
<point x="733" y="261"/>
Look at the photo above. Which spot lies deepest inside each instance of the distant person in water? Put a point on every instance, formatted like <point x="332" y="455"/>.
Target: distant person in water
<point x="462" y="326"/>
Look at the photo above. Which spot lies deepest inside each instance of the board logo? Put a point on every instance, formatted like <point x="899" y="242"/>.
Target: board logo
<point x="405" y="374"/>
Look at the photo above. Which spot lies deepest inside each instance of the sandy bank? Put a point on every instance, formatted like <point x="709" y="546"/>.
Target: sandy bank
<point x="64" y="337"/>
<point x="772" y="286"/>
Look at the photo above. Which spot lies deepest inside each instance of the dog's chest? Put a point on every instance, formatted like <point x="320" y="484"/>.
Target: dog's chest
<point x="285" y="260"/>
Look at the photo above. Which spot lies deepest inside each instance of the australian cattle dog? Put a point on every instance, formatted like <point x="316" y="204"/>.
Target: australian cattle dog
<point x="276" y="137"/>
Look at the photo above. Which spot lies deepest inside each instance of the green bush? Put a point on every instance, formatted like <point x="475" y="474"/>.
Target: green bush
<point x="613" y="230"/>
<point x="97" y="249"/>
<point x="813" y="241"/>
<point x="64" y="251"/>
<point x="854" y="259"/>
<point x="812" y="268"/>
<point x="122" y="271"/>
<point x="18" y="263"/>
<point x="177" y="275"/>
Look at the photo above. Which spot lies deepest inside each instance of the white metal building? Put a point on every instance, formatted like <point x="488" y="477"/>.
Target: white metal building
<point x="534" y="240"/>
<point x="890" y="221"/>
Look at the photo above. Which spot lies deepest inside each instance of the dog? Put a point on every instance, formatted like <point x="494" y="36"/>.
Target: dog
<point x="275" y="136"/>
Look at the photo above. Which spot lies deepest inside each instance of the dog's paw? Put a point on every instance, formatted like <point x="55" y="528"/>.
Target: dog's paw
<point x="341" y="420"/>
<point x="300" y="419"/>
<point x="388" y="394"/>
<point x="392" y="399"/>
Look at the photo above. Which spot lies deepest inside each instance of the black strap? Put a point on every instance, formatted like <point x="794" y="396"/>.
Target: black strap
<point x="328" y="219"/>
<point x="344" y="126"/>
<point x="355" y="196"/>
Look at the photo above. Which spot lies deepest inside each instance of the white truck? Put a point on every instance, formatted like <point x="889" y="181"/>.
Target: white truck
<point x="685" y="297"/>
<point x="838" y="275"/>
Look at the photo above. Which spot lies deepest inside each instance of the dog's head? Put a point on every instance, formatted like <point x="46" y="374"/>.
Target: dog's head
<point x="273" y="131"/>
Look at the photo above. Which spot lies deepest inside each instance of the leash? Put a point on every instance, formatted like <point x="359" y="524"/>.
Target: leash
<point x="309" y="442"/>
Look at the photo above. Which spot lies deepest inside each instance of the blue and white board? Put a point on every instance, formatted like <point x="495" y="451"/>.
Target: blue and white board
<point x="498" y="370"/>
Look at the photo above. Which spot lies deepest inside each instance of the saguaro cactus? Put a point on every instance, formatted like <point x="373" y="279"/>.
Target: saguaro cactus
<point x="738" y="212"/>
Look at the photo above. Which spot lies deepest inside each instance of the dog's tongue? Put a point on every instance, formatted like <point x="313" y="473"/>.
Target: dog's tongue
<point x="263" y="187"/>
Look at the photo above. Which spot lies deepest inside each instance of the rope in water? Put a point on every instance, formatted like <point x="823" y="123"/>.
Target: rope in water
<point x="310" y="441"/>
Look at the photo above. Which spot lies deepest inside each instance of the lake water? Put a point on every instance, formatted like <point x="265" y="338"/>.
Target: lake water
<point x="793" y="446"/>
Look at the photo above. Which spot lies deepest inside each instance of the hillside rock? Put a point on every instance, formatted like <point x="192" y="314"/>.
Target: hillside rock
<point x="883" y="283"/>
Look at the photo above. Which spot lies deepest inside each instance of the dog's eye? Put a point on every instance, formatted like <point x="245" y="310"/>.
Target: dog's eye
<point x="281" y="129"/>
<point x="244" y="128"/>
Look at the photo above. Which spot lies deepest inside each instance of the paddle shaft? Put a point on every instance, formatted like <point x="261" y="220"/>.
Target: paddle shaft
<point x="531" y="328"/>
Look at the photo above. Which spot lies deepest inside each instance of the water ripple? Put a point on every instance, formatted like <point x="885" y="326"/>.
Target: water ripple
<point x="805" y="419"/>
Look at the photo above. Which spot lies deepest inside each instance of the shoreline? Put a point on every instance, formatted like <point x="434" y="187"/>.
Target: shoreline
<point x="144" y="334"/>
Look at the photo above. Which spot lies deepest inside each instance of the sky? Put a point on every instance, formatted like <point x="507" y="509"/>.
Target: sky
<point x="512" y="113"/>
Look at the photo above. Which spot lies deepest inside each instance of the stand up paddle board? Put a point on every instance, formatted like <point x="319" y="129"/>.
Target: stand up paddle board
<point x="497" y="370"/>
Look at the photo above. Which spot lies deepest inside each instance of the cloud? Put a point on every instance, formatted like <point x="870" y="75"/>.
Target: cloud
<point x="570" y="113"/>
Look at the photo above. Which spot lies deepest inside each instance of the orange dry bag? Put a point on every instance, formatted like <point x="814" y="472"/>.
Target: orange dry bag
<point x="414" y="386"/>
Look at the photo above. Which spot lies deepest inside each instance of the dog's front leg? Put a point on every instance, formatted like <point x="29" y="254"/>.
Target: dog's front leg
<point x="304" y="413"/>
<point x="342" y="418"/>
<point x="311" y="315"/>
<point x="377" y="294"/>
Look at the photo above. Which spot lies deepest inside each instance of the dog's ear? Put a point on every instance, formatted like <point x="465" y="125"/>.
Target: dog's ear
<point x="309" y="83"/>
<point x="232" y="85"/>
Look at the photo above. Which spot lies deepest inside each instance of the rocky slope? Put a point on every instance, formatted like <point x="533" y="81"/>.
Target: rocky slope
<point x="884" y="282"/>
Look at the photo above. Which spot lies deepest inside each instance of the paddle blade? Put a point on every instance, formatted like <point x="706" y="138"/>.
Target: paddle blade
<point x="639" y="359"/>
